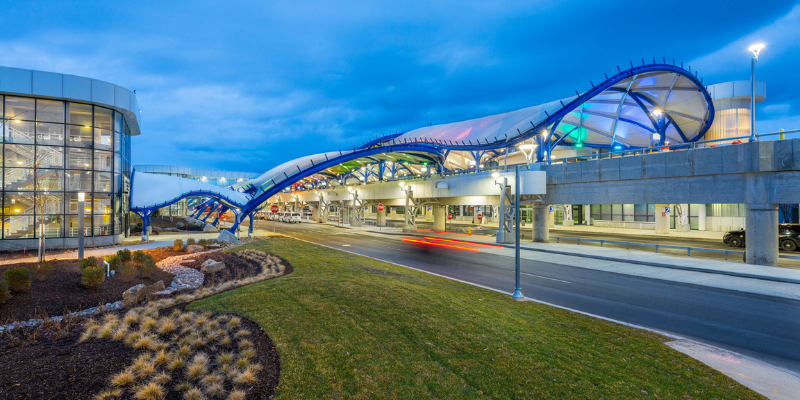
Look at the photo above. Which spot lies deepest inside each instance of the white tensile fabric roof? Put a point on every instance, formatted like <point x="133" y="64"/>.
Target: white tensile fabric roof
<point x="150" y="190"/>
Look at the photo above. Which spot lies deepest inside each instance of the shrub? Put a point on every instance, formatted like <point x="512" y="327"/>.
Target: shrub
<point x="42" y="270"/>
<point x="148" y="267"/>
<point x="178" y="245"/>
<point x="92" y="276"/>
<point x="139" y="256"/>
<point x="124" y="256"/>
<point x="88" y="262"/>
<point x="202" y="242"/>
<point x="127" y="272"/>
<point x="18" y="279"/>
<point x="113" y="261"/>
<point x="189" y="241"/>
<point x="4" y="293"/>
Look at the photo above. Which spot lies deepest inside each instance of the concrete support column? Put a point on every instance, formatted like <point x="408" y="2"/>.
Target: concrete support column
<point x="393" y="214"/>
<point x="354" y="219"/>
<point x="701" y="217"/>
<point x="429" y="213"/>
<point x="567" y="219"/>
<point x="682" y="223"/>
<point x="587" y="214"/>
<point x="761" y="242"/>
<point x="439" y="217"/>
<point x="380" y="217"/>
<point x="541" y="222"/>
<point x="315" y="215"/>
<point x="662" y="219"/>
<point x="551" y="216"/>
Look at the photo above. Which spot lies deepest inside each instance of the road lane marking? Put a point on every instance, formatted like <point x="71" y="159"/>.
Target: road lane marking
<point x="544" y="277"/>
<point x="346" y="245"/>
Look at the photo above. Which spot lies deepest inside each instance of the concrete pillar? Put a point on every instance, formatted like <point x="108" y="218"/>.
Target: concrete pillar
<point x="393" y="214"/>
<point x="380" y="217"/>
<point x="315" y="215"/>
<point x="587" y="214"/>
<point x="439" y="217"/>
<point x="461" y="212"/>
<point x="551" y="216"/>
<point x="701" y="217"/>
<point x="541" y="222"/>
<point x="682" y="223"/>
<point x="761" y="241"/>
<point x="662" y="219"/>
<point x="354" y="220"/>
<point x="567" y="219"/>
<point x="429" y="213"/>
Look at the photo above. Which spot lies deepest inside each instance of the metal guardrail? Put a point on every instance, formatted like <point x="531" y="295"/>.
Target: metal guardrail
<point x="629" y="244"/>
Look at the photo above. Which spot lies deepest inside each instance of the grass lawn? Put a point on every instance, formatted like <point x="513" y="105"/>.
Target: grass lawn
<point x="348" y="326"/>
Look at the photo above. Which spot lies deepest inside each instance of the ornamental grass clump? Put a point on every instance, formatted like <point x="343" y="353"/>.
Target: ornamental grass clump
<point x="42" y="270"/>
<point x="190" y="241"/>
<point x="177" y="245"/>
<point x="113" y="262"/>
<point x="127" y="272"/>
<point x="203" y="242"/>
<point x="18" y="279"/>
<point x="92" y="276"/>
<point x="148" y="267"/>
<point x="5" y="294"/>
<point x="139" y="256"/>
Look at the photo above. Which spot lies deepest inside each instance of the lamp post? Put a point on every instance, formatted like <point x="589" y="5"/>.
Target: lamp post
<point x="81" y="199"/>
<point x="517" y="290"/>
<point x="756" y="48"/>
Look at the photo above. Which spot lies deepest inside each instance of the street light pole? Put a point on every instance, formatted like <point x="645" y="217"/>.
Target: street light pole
<point x="81" y="199"/>
<point x="756" y="48"/>
<point x="517" y="290"/>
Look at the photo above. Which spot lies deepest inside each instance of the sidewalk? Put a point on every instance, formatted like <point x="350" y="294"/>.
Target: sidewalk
<point x="156" y="241"/>
<point x="559" y="230"/>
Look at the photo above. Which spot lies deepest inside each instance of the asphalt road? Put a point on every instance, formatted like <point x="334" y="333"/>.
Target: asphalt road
<point x="763" y="327"/>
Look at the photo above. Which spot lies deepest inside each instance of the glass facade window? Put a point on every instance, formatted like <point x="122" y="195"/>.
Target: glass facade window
<point x="52" y="150"/>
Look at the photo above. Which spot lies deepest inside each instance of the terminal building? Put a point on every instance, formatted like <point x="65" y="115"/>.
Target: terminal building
<point x="64" y="135"/>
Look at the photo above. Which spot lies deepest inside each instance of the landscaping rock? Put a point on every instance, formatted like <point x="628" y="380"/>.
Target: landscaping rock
<point x="214" y="246"/>
<point x="172" y="229"/>
<point x="179" y="224"/>
<point x="227" y="236"/>
<point x="210" y="228"/>
<point x="138" y="293"/>
<point x="157" y="229"/>
<point x="194" y="248"/>
<point x="211" y="267"/>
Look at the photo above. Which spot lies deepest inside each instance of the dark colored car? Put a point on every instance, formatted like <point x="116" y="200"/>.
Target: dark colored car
<point x="788" y="237"/>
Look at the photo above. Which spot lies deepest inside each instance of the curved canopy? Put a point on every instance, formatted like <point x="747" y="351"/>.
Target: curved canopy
<point x="151" y="191"/>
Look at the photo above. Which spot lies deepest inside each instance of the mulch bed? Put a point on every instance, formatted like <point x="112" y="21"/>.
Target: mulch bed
<point x="236" y="267"/>
<point x="61" y="292"/>
<point x="55" y="366"/>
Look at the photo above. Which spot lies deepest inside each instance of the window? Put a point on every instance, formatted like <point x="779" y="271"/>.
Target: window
<point x="80" y="136"/>
<point x="18" y="156"/>
<point x="50" y="157"/>
<point x="51" y="180"/>
<point x="47" y="133"/>
<point x="79" y="181"/>
<point x="102" y="139"/>
<point x="103" y="118"/>
<point x="102" y="160"/>
<point x="20" y="108"/>
<point x="79" y="158"/>
<point x="18" y="131"/>
<point x="79" y="114"/>
<point x="102" y="182"/>
<point x="49" y="111"/>
<point x="117" y="122"/>
<point x="17" y="179"/>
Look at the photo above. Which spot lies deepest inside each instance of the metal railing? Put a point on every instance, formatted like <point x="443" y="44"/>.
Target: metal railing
<point x="657" y="246"/>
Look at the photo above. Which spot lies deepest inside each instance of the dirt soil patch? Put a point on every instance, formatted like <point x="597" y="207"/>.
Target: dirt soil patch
<point x="61" y="292"/>
<point x="46" y="363"/>
<point x="236" y="267"/>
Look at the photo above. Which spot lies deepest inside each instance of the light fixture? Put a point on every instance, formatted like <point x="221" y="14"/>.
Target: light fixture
<point x="16" y="210"/>
<point x="656" y="136"/>
<point x="579" y="145"/>
<point x="19" y="162"/>
<point x="481" y="165"/>
<point x="471" y="162"/>
<point x="16" y="121"/>
<point x="617" y="147"/>
<point x="527" y="146"/>
<point x="81" y="196"/>
<point x="85" y="165"/>
<point x="87" y="126"/>
<point x="495" y="175"/>
<point x="424" y="168"/>
<point x="756" y="48"/>
<point x="657" y="112"/>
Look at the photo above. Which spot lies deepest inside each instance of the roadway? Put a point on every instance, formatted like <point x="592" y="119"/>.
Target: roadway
<point x="762" y="327"/>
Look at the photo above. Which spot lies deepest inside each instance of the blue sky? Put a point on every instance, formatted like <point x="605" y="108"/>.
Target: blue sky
<point x="249" y="85"/>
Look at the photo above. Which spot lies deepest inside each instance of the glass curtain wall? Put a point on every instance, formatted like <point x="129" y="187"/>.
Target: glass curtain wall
<point x="51" y="151"/>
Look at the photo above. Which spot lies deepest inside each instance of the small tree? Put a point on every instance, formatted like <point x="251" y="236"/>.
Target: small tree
<point x="47" y="196"/>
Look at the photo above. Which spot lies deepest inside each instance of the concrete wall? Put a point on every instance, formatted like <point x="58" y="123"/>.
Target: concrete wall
<point x="704" y="176"/>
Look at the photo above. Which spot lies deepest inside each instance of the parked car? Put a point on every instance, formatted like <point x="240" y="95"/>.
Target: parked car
<point x="788" y="237"/>
<point x="282" y="216"/>
<point x="293" y="217"/>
